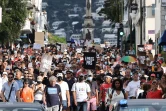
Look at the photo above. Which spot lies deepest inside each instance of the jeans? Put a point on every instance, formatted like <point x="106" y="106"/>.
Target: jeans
<point x="53" y="108"/>
<point x="64" y="104"/>
<point x="83" y="105"/>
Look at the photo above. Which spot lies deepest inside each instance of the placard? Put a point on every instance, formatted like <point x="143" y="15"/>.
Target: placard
<point x="148" y="47"/>
<point x="89" y="60"/>
<point x="39" y="38"/>
<point x="58" y="46"/>
<point x="37" y="46"/>
<point x="46" y="62"/>
<point x="141" y="54"/>
<point x="102" y="45"/>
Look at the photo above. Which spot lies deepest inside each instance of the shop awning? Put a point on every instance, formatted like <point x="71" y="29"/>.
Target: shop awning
<point x="162" y="40"/>
<point x="131" y="36"/>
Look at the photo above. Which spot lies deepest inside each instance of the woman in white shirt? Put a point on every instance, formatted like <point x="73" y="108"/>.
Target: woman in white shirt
<point x="115" y="94"/>
<point x="39" y="90"/>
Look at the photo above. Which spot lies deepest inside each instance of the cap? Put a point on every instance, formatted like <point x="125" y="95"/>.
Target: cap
<point x="153" y="75"/>
<point x="39" y="78"/>
<point x="5" y="73"/>
<point x="59" y="75"/>
<point x="108" y="75"/>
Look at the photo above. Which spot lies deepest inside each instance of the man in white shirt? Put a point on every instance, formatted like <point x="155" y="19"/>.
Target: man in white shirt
<point x="133" y="86"/>
<point x="64" y="91"/>
<point x="81" y="93"/>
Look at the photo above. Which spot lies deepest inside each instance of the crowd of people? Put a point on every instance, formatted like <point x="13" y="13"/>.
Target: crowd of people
<point x="68" y="86"/>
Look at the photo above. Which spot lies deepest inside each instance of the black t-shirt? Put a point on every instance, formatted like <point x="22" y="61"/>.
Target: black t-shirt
<point x="52" y="95"/>
<point x="70" y="84"/>
<point x="142" y="95"/>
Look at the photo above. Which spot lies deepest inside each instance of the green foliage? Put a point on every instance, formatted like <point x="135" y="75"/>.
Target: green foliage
<point x="12" y="20"/>
<point x="113" y="10"/>
<point x="54" y="39"/>
<point x="163" y="54"/>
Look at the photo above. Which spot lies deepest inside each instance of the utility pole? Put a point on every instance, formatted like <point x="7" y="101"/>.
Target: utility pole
<point x="141" y="16"/>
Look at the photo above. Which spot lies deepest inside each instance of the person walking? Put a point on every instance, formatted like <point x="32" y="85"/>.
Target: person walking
<point x="52" y="97"/>
<point x="133" y="86"/>
<point x="103" y="90"/>
<point x="93" y="101"/>
<point x="81" y="93"/>
<point x="26" y="93"/>
<point x="39" y="90"/>
<point x="10" y="90"/>
<point x="64" y="91"/>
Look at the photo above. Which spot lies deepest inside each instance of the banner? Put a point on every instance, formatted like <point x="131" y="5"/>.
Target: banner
<point x="46" y="62"/>
<point x="89" y="60"/>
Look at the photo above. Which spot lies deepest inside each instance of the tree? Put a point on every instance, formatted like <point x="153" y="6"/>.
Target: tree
<point x="12" y="20"/>
<point x="113" y="10"/>
<point x="53" y="39"/>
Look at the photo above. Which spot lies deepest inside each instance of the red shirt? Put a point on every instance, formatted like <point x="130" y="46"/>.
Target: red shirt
<point x="154" y="94"/>
<point x="103" y="88"/>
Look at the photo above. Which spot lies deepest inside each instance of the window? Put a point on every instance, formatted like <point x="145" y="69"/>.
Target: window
<point x="153" y="9"/>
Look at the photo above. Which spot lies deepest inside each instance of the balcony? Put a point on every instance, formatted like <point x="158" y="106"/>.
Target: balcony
<point x="29" y="4"/>
<point x="27" y="27"/>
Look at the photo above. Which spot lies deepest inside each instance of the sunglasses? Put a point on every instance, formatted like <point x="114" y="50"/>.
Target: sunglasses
<point x="26" y="73"/>
<point x="29" y="76"/>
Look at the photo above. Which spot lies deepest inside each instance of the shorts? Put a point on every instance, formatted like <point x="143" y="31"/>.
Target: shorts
<point x="92" y="104"/>
<point x="64" y="103"/>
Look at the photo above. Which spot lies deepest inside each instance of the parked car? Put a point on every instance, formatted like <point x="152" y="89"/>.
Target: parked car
<point x="141" y="105"/>
<point x="20" y="106"/>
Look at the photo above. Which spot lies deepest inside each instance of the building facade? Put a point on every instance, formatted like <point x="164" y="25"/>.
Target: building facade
<point x="36" y="21"/>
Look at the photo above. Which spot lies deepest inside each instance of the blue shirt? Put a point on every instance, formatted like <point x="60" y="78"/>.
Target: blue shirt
<point x="20" y="83"/>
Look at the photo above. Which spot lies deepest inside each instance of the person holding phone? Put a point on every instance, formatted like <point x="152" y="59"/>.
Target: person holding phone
<point x="39" y="90"/>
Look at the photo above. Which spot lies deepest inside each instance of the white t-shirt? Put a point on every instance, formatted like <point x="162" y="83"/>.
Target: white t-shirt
<point x="132" y="88"/>
<point x="115" y="97"/>
<point x="81" y="91"/>
<point x="64" y="87"/>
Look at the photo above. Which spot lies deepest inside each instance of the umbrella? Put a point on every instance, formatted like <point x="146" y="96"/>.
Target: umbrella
<point x="128" y="59"/>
